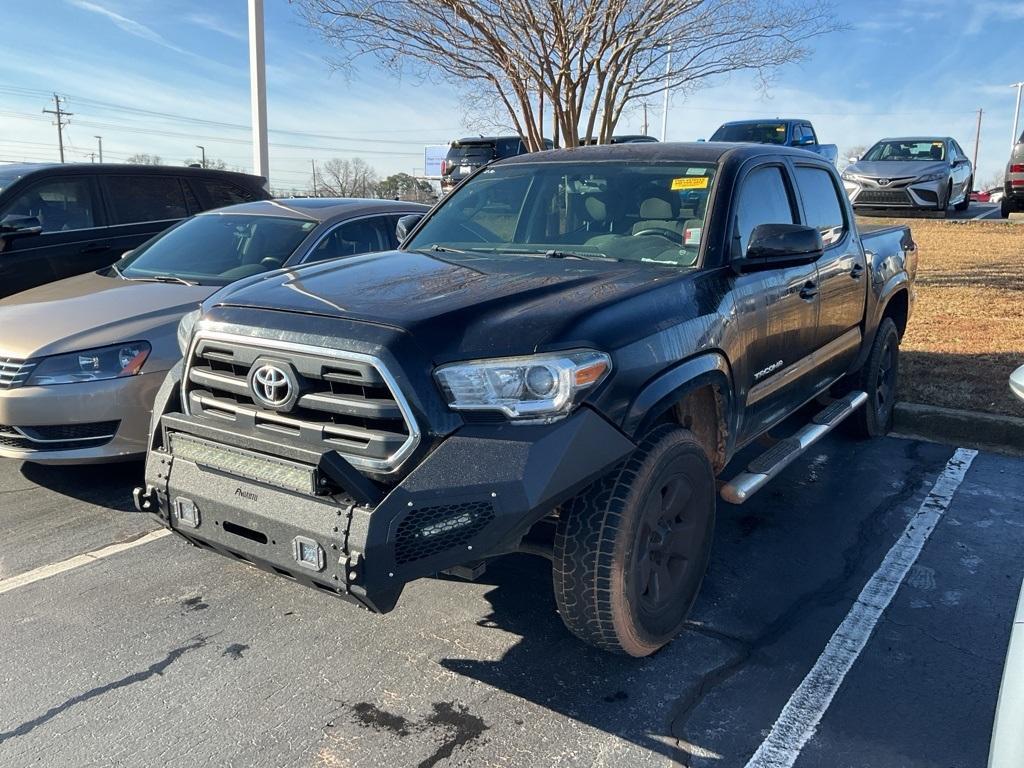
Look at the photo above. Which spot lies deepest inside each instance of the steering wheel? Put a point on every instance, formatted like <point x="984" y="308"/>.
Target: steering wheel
<point x="668" y="234"/>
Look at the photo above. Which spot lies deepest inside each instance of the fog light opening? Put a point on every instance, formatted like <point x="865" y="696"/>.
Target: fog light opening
<point x="186" y="512"/>
<point x="308" y="554"/>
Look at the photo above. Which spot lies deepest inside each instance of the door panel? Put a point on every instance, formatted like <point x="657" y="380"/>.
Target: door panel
<point x="777" y="308"/>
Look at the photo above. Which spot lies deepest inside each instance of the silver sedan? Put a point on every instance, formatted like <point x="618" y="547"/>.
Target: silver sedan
<point x="923" y="172"/>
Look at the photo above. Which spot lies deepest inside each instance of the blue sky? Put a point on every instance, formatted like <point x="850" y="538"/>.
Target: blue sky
<point x="903" y="67"/>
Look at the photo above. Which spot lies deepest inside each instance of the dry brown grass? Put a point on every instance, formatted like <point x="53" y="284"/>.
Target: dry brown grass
<point x="966" y="334"/>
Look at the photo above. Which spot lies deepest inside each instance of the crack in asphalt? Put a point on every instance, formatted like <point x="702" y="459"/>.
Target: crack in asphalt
<point x="157" y="668"/>
<point x="826" y="594"/>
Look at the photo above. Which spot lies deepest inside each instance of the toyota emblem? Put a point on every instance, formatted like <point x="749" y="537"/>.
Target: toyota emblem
<point x="883" y="182"/>
<point x="272" y="385"/>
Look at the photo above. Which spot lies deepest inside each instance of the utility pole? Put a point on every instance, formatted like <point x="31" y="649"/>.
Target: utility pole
<point x="61" y="121"/>
<point x="258" y="90"/>
<point x="664" y="111"/>
<point x="977" y="143"/>
<point x="645" y="118"/>
<point x="1016" y="115"/>
<point x="312" y="162"/>
<point x="92" y="157"/>
<point x="100" y="140"/>
<point x="202" y="149"/>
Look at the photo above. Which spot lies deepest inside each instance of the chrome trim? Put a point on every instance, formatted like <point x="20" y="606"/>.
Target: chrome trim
<point x="382" y="466"/>
<point x="819" y="357"/>
<point x="19" y="434"/>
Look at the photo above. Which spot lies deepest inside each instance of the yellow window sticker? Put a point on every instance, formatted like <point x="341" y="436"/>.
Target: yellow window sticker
<point x="693" y="182"/>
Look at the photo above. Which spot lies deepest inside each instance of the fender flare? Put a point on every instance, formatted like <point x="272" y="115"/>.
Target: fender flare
<point x="168" y="398"/>
<point x="668" y="388"/>
<point x="895" y="284"/>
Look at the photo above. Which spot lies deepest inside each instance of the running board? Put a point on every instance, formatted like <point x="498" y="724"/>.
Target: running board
<point x="782" y="454"/>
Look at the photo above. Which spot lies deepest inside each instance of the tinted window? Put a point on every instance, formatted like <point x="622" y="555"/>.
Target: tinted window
<point x="60" y="204"/>
<point x="145" y="198"/>
<point x="476" y="154"/>
<point x="352" y="238"/>
<point x="756" y="133"/>
<point x="763" y="199"/>
<point x="902" y="151"/>
<point x="821" y="203"/>
<point x="216" y="249"/>
<point x="223" y="193"/>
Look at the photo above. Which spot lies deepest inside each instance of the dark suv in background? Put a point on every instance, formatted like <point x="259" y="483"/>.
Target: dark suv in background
<point x="59" y="220"/>
<point x="466" y="155"/>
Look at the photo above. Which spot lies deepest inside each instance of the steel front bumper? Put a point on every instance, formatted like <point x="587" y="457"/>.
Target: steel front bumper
<point x="473" y="496"/>
<point x="78" y="423"/>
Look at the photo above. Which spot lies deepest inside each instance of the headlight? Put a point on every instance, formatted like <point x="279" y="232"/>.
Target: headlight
<point x="111" y="362"/>
<point x="188" y="322"/>
<point x="534" y="387"/>
<point x="847" y="176"/>
<point x="931" y="177"/>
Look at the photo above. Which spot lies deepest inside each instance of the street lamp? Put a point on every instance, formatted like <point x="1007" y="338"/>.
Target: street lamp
<point x="100" y="140"/>
<point x="202" y="149"/>
<point x="1016" y="115"/>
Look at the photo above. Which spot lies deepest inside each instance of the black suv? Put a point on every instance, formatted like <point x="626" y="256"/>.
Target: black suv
<point x="60" y="220"/>
<point x="466" y="155"/>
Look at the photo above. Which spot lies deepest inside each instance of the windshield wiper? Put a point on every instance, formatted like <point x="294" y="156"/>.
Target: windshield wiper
<point x="555" y="254"/>
<point x="163" y="279"/>
<point x="444" y="249"/>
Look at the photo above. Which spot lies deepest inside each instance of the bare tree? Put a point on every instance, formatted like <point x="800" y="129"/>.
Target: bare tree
<point x="144" y="159"/>
<point x="211" y="162"/>
<point x="577" y="62"/>
<point x="402" y="186"/>
<point x="346" y="178"/>
<point x="855" y="151"/>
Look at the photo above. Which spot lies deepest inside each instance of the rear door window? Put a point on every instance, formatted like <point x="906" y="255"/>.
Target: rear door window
<point x="60" y="205"/>
<point x="136" y="199"/>
<point x="764" y="198"/>
<point x="822" y="208"/>
<point x="354" y="237"/>
<point x="221" y="193"/>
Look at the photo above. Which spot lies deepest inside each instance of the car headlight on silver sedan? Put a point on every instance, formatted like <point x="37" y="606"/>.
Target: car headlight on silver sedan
<point x="847" y="176"/>
<point x="931" y="177"/>
<point x="542" y="387"/>
<point x="185" y="326"/>
<point x="113" y="362"/>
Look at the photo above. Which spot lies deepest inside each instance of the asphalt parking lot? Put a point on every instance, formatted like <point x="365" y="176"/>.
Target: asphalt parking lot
<point x="162" y="654"/>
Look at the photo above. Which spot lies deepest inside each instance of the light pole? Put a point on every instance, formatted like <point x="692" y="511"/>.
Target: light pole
<point x="258" y="90"/>
<point x="100" y="140"/>
<point x="202" y="149"/>
<point x="1016" y="115"/>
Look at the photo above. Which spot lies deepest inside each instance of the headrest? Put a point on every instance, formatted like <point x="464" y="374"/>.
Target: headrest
<point x="656" y="208"/>
<point x="596" y="208"/>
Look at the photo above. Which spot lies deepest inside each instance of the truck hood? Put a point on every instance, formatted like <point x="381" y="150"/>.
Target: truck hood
<point x="893" y="169"/>
<point x="91" y="310"/>
<point x="456" y="305"/>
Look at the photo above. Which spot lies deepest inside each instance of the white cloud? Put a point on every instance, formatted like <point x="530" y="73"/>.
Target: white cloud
<point x="130" y="26"/>
<point x="985" y="12"/>
<point x="215" y="24"/>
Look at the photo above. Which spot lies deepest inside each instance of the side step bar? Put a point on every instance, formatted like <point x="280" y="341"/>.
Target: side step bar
<point x="781" y="455"/>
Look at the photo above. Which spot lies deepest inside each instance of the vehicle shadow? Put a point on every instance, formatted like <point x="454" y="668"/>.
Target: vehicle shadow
<point x="107" y="485"/>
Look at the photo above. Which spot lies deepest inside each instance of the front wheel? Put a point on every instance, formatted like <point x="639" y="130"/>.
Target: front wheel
<point x="631" y="550"/>
<point x="878" y="378"/>
<point x="964" y="204"/>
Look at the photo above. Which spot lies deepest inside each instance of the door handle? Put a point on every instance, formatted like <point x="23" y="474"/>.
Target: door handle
<point x="95" y="248"/>
<point x="857" y="272"/>
<point x="809" y="291"/>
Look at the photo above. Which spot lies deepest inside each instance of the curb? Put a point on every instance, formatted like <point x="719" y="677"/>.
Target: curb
<point x="971" y="429"/>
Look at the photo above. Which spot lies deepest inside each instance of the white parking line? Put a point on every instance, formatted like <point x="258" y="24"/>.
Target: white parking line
<point x="46" y="571"/>
<point x="803" y="712"/>
<point x="985" y="214"/>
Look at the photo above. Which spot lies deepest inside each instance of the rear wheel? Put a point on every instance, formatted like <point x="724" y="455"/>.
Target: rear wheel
<point x="631" y="550"/>
<point x="878" y="378"/>
<point x="964" y="204"/>
<point x="1005" y="207"/>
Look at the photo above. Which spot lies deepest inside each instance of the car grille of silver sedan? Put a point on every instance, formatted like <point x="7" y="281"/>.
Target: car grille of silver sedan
<point x="14" y="372"/>
<point x="345" y="401"/>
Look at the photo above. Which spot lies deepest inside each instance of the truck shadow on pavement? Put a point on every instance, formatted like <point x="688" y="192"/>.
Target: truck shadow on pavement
<point x="783" y="572"/>
<point x="106" y="485"/>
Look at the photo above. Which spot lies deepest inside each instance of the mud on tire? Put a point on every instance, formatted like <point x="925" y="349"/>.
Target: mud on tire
<point x="631" y="550"/>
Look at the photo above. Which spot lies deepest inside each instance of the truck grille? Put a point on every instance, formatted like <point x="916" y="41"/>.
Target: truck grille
<point x="883" y="197"/>
<point x="346" y="401"/>
<point x="14" y="372"/>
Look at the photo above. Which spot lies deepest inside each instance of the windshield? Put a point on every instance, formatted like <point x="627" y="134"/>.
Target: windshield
<point x="216" y="249"/>
<point x="925" y="150"/>
<point x="755" y="133"/>
<point x="625" y="211"/>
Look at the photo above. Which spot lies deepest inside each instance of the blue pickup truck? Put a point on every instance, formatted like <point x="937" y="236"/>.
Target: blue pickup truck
<point x="785" y="133"/>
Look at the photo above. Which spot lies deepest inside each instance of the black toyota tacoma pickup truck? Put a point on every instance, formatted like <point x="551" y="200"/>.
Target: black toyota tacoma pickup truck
<point x="561" y="358"/>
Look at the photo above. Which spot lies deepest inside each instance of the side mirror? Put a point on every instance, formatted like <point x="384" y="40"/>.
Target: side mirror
<point x="1017" y="382"/>
<point x="406" y="224"/>
<point x="780" y="245"/>
<point x="806" y="141"/>
<point x="19" y="226"/>
<point x="126" y="254"/>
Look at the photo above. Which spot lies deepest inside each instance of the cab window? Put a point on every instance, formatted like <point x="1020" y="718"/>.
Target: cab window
<point x="822" y="208"/>
<point x="764" y="198"/>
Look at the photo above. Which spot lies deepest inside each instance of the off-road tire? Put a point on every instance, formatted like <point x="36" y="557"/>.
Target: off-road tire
<point x="605" y="545"/>
<point x="966" y="203"/>
<point x="879" y="378"/>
